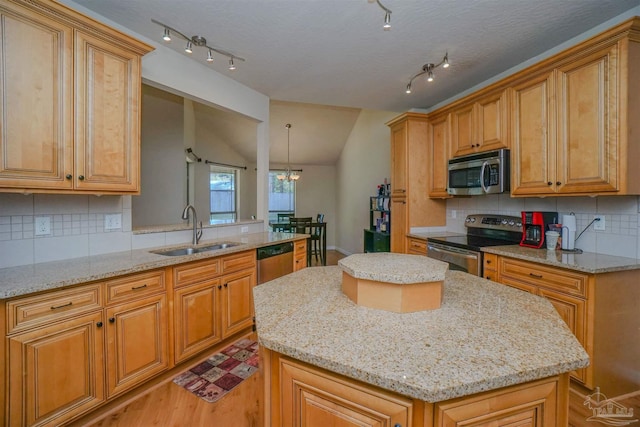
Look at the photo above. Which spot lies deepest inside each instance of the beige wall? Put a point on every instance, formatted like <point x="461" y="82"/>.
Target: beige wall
<point x="364" y="163"/>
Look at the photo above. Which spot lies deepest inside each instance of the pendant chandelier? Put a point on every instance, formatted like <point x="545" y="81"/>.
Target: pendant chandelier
<point x="289" y="174"/>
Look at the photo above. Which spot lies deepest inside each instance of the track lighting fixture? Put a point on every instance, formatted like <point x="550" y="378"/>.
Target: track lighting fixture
<point x="387" y="15"/>
<point x="428" y="70"/>
<point x="198" y="41"/>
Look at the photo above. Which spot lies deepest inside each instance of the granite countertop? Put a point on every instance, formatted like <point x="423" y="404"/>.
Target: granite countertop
<point x="587" y="262"/>
<point x="394" y="268"/>
<point x="23" y="280"/>
<point x="484" y="336"/>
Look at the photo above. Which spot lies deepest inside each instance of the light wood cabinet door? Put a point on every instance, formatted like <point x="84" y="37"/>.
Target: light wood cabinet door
<point x="463" y="135"/>
<point x="56" y="372"/>
<point x="107" y="116"/>
<point x="36" y="111"/>
<point x="237" y="301"/>
<point x="587" y="139"/>
<point x="399" y="159"/>
<point x="313" y="398"/>
<point x="439" y="141"/>
<point x="137" y="338"/>
<point x="197" y="318"/>
<point x="534" y="405"/>
<point x="399" y="226"/>
<point x="534" y="143"/>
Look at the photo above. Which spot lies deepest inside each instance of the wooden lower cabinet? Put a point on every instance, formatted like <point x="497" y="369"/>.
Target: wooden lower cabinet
<point x="299" y="255"/>
<point x="417" y="246"/>
<point x="56" y="372"/>
<point x="137" y="342"/>
<point x="599" y="309"/>
<point x="73" y="350"/>
<point x="299" y="394"/>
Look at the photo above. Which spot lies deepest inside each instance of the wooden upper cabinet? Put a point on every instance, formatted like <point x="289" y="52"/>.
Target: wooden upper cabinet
<point x="36" y="110"/>
<point x="70" y="123"/>
<point x="107" y="116"/>
<point x="565" y="128"/>
<point x="587" y="142"/>
<point x="534" y="156"/>
<point x="480" y="125"/>
<point x="439" y="132"/>
<point x="399" y="135"/>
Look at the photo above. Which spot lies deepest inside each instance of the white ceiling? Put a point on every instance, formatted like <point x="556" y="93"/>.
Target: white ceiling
<point x="335" y="52"/>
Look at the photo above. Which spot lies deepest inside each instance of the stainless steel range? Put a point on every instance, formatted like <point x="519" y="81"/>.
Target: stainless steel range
<point x="463" y="252"/>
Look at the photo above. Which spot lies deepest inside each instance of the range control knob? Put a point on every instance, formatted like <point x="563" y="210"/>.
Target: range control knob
<point x="504" y="221"/>
<point x="518" y="224"/>
<point x="471" y="220"/>
<point x="512" y="223"/>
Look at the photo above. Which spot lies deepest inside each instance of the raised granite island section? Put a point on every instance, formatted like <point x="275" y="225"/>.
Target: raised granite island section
<point x="484" y="337"/>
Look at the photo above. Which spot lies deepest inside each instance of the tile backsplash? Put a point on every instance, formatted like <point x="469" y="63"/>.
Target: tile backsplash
<point x="77" y="228"/>
<point x="620" y="237"/>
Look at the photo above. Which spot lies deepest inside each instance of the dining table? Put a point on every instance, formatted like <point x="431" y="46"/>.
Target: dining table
<point x="320" y="227"/>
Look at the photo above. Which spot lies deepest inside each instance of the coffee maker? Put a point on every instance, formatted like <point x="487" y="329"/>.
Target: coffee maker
<point x="534" y="225"/>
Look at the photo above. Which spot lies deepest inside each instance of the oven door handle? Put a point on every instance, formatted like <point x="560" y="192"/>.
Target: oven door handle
<point x="482" y="169"/>
<point x="462" y="252"/>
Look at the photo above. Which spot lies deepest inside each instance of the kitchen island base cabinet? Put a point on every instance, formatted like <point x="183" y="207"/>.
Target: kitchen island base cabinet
<point x="299" y="394"/>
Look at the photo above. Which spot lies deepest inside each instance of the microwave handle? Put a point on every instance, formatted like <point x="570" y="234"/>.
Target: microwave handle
<point x="482" y="168"/>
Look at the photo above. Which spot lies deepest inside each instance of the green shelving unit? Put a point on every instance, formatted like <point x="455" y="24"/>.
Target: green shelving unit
<point x="377" y="238"/>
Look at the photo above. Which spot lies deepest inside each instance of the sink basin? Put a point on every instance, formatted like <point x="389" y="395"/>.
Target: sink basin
<point x="196" y="250"/>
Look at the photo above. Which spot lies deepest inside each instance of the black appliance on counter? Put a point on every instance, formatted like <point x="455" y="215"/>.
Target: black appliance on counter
<point x="463" y="251"/>
<point x="534" y="225"/>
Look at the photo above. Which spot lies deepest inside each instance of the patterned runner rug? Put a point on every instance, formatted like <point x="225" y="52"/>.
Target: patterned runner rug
<point x="216" y="376"/>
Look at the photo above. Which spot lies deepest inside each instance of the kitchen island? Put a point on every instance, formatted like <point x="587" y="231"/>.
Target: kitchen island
<point x="487" y="345"/>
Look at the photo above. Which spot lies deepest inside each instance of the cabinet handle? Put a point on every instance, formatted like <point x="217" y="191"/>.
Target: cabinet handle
<point x="558" y="183"/>
<point x="55" y="307"/>
<point x="488" y="261"/>
<point x="397" y="425"/>
<point x="133" y="288"/>
<point x="219" y="286"/>
<point x="81" y="177"/>
<point x="401" y="191"/>
<point x="112" y="319"/>
<point x="99" y="324"/>
<point x="68" y="176"/>
<point x="537" y="276"/>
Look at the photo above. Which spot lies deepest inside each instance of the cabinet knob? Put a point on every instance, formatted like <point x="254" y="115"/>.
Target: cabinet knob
<point x="99" y="324"/>
<point x="219" y="286"/>
<point x="488" y="261"/>
<point x="112" y="319"/>
<point x="81" y="177"/>
<point x="226" y="285"/>
<point x="549" y="183"/>
<point x="68" y="176"/>
<point x="558" y="183"/>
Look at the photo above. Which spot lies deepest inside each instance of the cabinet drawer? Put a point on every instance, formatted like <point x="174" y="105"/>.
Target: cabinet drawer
<point x="490" y="262"/>
<point x="239" y="261"/>
<point x="300" y="246"/>
<point x="551" y="278"/>
<point x="29" y="312"/>
<point x="417" y="246"/>
<point x="194" y="272"/>
<point x="137" y="285"/>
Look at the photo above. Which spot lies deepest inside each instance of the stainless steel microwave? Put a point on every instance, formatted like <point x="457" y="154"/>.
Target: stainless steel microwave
<point x="477" y="174"/>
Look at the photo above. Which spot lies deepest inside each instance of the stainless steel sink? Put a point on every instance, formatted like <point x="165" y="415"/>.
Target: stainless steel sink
<point x="196" y="250"/>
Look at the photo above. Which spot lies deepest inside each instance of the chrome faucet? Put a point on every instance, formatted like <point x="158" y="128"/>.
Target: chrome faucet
<point x="185" y="215"/>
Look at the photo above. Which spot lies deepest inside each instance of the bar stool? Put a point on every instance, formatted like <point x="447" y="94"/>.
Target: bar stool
<point x="316" y="238"/>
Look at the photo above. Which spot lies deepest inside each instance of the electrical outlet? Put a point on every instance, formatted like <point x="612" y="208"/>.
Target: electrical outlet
<point x="113" y="222"/>
<point x="454" y="214"/>
<point x="43" y="225"/>
<point x="244" y="229"/>
<point x="600" y="224"/>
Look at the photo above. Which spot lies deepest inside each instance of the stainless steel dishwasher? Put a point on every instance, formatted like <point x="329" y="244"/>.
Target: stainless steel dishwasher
<point x="274" y="261"/>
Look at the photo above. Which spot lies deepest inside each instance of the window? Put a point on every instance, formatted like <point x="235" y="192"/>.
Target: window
<point x="282" y="196"/>
<point x="222" y="189"/>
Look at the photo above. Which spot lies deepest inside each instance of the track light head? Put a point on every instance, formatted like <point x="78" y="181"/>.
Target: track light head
<point x="209" y="56"/>
<point x="430" y="76"/>
<point x="167" y="35"/>
<point x="189" y="47"/>
<point x="387" y="21"/>
<point x="445" y="61"/>
<point x="231" y="65"/>
<point x="408" y="88"/>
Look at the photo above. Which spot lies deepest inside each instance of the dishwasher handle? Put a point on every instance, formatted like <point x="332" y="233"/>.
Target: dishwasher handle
<point x="274" y="250"/>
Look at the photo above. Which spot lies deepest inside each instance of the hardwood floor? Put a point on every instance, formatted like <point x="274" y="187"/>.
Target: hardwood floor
<point x="171" y="405"/>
